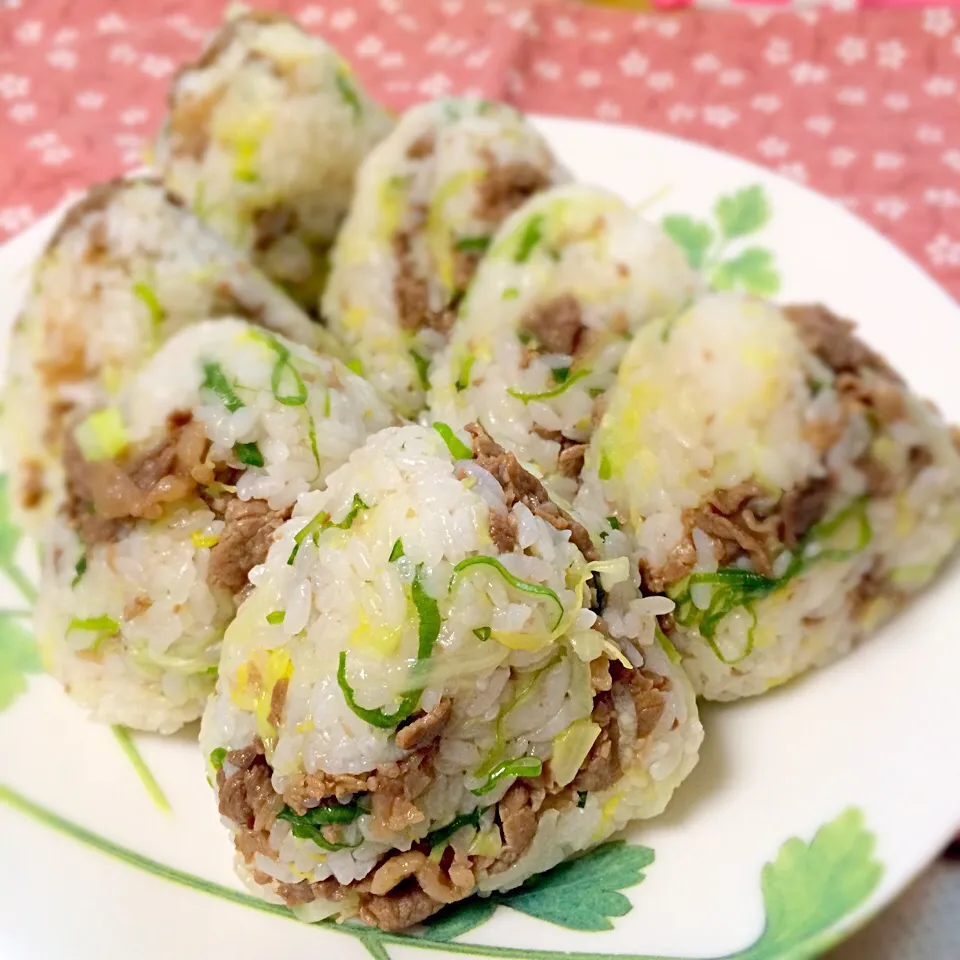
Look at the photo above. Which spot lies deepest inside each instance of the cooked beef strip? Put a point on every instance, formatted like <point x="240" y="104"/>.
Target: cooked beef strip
<point x="557" y="325"/>
<point x="833" y="340"/>
<point x="273" y="223"/>
<point x="602" y="769"/>
<point x="249" y="526"/>
<point x="739" y="529"/>
<point x="422" y="147"/>
<point x="518" y="823"/>
<point x="506" y="187"/>
<point x="570" y="461"/>
<point x="503" y="531"/>
<point x="425" y="728"/>
<point x="34" y="488"/>
<point x="412" y="295"/>
<point x="520" y="486"/>
<point x="136" y="485"/>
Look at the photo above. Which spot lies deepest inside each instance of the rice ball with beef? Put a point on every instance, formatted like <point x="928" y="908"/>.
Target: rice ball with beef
<point x="435" y="689"/>
<point x="174" y="493"/>
<point x="127" y="268"/>
<point x="780" y="481"/>
<point x="263" y="138"/>
<point x="569" y="278"/>
<point x="428" y="200"/>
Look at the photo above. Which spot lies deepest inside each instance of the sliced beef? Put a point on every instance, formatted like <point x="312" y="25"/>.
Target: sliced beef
<point x="399" y="910"/>
<point x="249" y="526"/>
<point x="741" y="523"/>
<point x="520" y="486"/>
<point x="422" y="147"/>
<point x="272" y="223"/>
<point x="412" y="295"/>
<point x="885" y="397"/>
<point x="601" y="768"/>
<point x="572" y="452"/>
<point x="34" y="487"/>
<point x="518" y="824"/>
<point x="248" y="799"/>
<point x="556" y="325"/>
<point x="506" y="187"/>
<point x="503" y="531"/>
<point x="800" y="508"/>
<point x="426" y="728"/>
<point x="833" y="340"/>
<point x="570" y="461"/>
<point x="136" y="485"/>
<point x="278" y="699"/>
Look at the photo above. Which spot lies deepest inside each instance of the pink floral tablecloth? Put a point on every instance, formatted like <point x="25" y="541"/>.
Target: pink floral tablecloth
<point x="863" y="105"/>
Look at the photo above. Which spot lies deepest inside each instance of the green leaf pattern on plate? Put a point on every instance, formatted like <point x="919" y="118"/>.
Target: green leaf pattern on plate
<point x="806" y="891"/>
<point x="19" y="655"/>
<point x="737" y="215"/>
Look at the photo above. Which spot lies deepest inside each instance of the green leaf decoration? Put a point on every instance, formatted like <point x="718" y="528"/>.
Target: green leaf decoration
<point x="9" y="531"/>
<point x="752" y="270"/>
<point x="460" y="919"/>
<point x="811" y="886"/>
<point x="18" y="657"/>
<point x="693" y="237"/>
<point x="807" y="890"/>
<point x="743" y="212"/>
<point x="583" y="894"/>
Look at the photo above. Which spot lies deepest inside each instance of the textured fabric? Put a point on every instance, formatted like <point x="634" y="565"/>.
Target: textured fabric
<point x="862" y="105"/>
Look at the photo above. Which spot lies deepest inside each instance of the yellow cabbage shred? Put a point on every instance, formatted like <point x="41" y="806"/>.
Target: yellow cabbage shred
<point x="570" y="749"/>
<point x="102" y="435"/>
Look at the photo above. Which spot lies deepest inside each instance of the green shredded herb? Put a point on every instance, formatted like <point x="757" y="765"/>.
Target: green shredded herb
<point x="275" y="617"/>
<point x="534" y="589"/>
<point x="428" y="613"/>
<point x="511" y="293"/>
<point x="309" y="826"/>
<point x="479" y="244"/>
<point x="349" y="93"/>
<point x="283" y="369"/>
<point x="103" y="626"/>
<point x="397" y="552"/>
<point x="463" y="377"/>
<point x="217" y="757"/>
<point x="734" y="588"/>
<point x="313" y="432"/>
<point x="146" y="295"/>
<point x="322" y="522"/>
<point x="248" y="453"/>
<point x="80" y="569"/>
<point x="614" y="522"/>
<point x="560" y="374"/>
<point x="531" y="236"/>
<point x="458" y="449"/>
<point x="214" y="379"/>
<point x="483" y="633"/>
<point x="595" y="392"/>
<point x="440" y="837"/>
<point x="563" y="387"/>
<point x="521" y="767"/>
<point x="423" y="369"/>
<point x="582" y="799"/>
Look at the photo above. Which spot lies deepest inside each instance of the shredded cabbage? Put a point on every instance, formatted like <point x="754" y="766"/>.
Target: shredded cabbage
<point x="102" y="435"/>
<point x="570" y="749"/>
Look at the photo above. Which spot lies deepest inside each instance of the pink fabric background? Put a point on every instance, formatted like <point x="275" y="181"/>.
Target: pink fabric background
<point x="861" y="105"/>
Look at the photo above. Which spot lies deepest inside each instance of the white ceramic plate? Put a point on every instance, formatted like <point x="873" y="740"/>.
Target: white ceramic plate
<point x="857" y="761"/>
